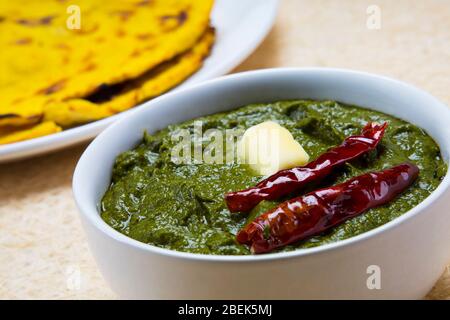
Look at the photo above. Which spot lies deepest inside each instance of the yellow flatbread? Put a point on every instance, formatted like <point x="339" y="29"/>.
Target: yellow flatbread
<point x="44" y="61"/>
<point x="126" y="95"/>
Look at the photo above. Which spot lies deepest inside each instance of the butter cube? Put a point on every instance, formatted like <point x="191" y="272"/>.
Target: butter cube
<point x="268" y="148"/>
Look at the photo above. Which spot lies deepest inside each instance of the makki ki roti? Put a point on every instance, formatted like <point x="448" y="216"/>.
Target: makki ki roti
<point x="30" y="132"/>
<point x="46" y="63"/>
<point x="117" y="98"/>
<point x="110" y="100"/>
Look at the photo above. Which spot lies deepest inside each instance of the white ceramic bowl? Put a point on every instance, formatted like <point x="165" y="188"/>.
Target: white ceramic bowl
<point x="411" y="251"/>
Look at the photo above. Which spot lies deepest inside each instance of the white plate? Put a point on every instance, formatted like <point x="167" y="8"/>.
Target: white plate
<point x="241" y="25"/>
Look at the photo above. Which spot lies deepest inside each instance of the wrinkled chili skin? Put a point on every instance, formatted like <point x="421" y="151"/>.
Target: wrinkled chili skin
<point x="287" y="181"/>
<point x="318" y="211"/>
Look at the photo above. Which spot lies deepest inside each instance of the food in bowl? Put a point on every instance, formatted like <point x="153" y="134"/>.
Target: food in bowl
<point x="181" y="206"/>
<point x="70" y="64"/>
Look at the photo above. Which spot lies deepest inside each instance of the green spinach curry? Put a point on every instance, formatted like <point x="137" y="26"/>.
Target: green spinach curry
<point x="181" y="206"/>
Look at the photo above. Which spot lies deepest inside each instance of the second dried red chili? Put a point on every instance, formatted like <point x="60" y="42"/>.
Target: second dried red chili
<point x="312" y="214"/>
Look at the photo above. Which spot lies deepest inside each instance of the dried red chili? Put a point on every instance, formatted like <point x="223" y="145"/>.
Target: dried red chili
<point x="312" y="214"/>
<point x="287" y="181"/>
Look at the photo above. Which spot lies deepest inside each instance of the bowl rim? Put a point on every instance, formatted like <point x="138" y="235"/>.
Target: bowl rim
<point x="99" y="225"/>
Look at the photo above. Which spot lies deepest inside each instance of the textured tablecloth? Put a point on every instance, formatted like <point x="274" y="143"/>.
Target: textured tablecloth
<point x="43" y="251"/>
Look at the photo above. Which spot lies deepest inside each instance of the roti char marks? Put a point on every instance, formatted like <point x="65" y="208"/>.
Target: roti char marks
<point x="287" y="181"/>
<point x="36" y="22"/>
<point x="15" y="120"/>
<point x="318" y="211"/>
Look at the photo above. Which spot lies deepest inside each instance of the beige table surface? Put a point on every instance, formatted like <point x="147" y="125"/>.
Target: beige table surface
<point x="43" y="251"/>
